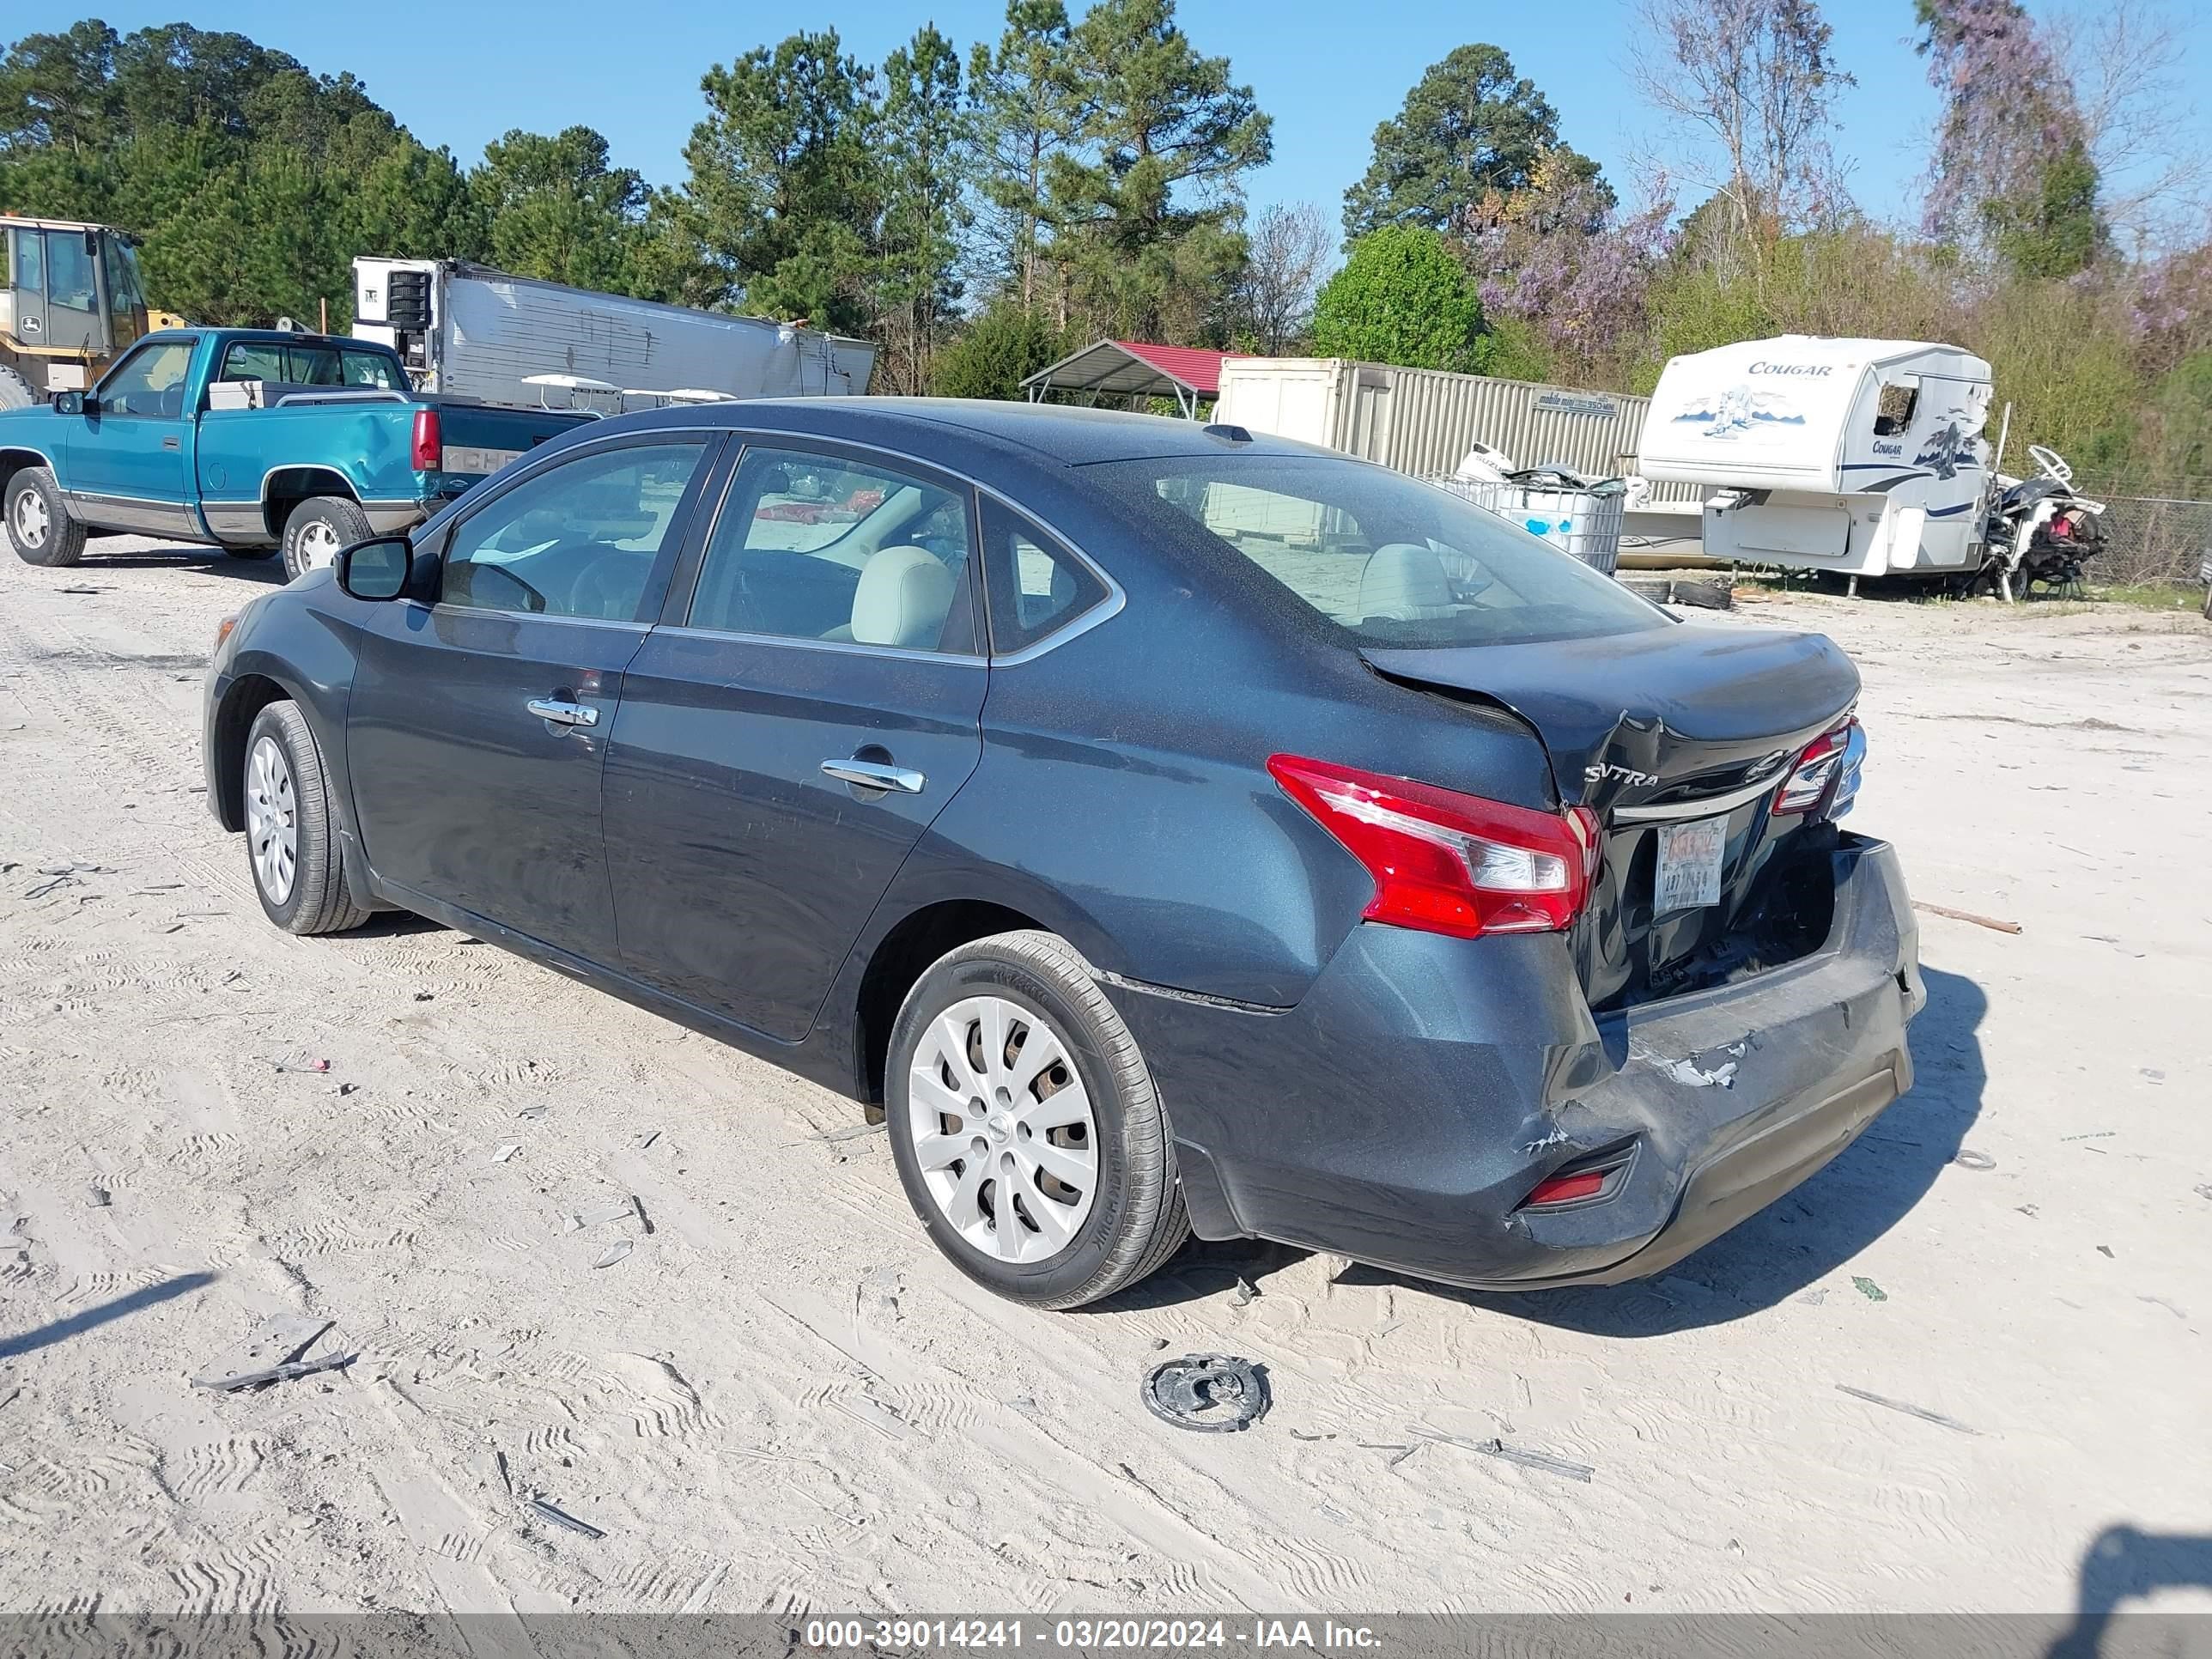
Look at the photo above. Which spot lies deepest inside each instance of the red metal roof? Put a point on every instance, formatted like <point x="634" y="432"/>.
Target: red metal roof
<point x="1197" y="368"/>
<point x="1136" y="368"/>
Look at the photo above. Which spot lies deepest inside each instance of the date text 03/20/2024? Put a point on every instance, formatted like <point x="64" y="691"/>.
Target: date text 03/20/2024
<point x="1089" y="1634"/>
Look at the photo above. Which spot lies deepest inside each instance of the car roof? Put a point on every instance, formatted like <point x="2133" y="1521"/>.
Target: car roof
<point x="1047" y="432"/>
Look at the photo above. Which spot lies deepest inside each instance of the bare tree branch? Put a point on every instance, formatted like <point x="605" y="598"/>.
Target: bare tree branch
<point x="2125" y="59"/>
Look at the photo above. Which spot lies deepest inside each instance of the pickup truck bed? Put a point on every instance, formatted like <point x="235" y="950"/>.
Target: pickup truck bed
<point x="182" y="438"/>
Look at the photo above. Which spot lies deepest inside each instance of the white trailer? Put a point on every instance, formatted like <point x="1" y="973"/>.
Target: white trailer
<point x="498" y="339"/>
<point x="1860" y="456"/>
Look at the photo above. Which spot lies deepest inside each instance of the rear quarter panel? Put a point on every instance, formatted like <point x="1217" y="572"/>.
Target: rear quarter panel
<point x="1123" y="797"/>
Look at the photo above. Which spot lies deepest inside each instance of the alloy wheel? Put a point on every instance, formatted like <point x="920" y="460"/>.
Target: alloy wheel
<point x="33" y="520"/>
<point x="1003" y="1129"/>
<point x="272" y="819"/>
<point x="317" y="544"/>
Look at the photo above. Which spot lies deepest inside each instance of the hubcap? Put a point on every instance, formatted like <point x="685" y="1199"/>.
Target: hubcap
<point x="32" y="522"/>
<point x="318" y="545"/>
<point x="1003" y="1129"/>
<point x="272" y="819"/>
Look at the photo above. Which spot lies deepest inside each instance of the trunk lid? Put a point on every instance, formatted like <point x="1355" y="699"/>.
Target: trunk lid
<point x="1668" y="727"/>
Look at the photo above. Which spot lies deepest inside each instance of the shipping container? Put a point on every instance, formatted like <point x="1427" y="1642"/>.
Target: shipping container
<point x="1423" y="420"/>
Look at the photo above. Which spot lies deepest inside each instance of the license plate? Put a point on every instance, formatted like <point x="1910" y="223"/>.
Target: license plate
<point x="1689" y="865"/>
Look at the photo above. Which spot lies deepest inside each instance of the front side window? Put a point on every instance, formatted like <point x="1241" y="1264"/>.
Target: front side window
<point x="578" y="539"/>
<point x="816" y="547"/>
<point x="150" y="381"/>
<point x="1390" y="561"/>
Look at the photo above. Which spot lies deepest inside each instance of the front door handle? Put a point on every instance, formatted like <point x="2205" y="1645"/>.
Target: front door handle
<point x="170" y="443"/>
<point x="562" y="713"/>
<point x="874" y="774"/>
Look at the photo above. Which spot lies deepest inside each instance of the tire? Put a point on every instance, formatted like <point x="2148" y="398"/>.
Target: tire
<point x="15" y="391"/>
<point x="317" y="528"/>
<point x="40" y="527"/>
<point x="1026" y="987"/>
<point x="302" y="885"/>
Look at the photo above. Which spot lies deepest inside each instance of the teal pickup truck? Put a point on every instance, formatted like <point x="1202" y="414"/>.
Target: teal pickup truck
<point x="256" y="441"/>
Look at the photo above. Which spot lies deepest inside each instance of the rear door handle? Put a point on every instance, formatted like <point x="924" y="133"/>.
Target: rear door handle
<point x="874" y="774"/>
<point x="562" y="713"/>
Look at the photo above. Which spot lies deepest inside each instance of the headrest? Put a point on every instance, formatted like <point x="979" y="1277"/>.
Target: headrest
<point x="904" y="595"/>
<point x="1404" y="581"/>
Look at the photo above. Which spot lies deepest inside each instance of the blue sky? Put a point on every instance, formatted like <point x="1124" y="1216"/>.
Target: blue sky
<point x="461" y="74"/>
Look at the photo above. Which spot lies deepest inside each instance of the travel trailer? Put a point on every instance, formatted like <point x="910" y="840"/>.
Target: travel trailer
<point x="465" y="331"/>
<point x="1864" y="457"/>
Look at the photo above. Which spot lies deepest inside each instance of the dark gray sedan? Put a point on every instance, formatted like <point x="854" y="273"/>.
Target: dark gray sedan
<point x="1167" y="830"/>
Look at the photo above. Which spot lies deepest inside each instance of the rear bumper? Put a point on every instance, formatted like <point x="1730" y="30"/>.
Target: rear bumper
<point x="1404" y="1109"/>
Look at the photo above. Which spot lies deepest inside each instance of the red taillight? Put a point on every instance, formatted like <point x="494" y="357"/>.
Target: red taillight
<point x="429" y="453"/>
<point x="1566" y="1189"/>
<point x="1448" y="863"/>
<point x="1814" y="771"/>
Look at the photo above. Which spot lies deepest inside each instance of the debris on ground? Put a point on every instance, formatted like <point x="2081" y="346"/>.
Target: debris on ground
<point x="2106" y="1250"/>
<point x="1920" y="1411"/>
<point x="271" y="1353"/>
<point x="1972" y="1160"/>
<point x="560" y="1518"/>
<point x="533" y="1112"/>
<point x="98" y="1197"/>
<point x="507" y="1149"/>
<point x="1246" y="1292"/>
<point x="650" y="1136"/>
<point x="614" y="1253"/>
<point x="1868" y="1289"/>
<point x="1497" y="1448"/>
<point x="2094" y="1134"/>
<point x="1990" y="922"/>
<point x="300" y="1065"/>
<point x="597" y="1215"/>
<point x="644" y="1220"/>
<point x="425" y="996"/>
<point x="1209" y="1393"/>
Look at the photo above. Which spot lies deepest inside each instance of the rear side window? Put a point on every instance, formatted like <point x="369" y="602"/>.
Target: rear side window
<point x="1391" y="560"/>
<point x="1036" y="587"/>
<point x="815" y="546"/>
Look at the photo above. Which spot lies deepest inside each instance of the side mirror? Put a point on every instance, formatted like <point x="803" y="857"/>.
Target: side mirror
<point x="72" y="403"/>
<point x="375" y="569"/>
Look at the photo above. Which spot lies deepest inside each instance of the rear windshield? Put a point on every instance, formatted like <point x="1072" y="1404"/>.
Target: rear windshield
<point x="1395" y="562"/>
<point x="310" y="365"/>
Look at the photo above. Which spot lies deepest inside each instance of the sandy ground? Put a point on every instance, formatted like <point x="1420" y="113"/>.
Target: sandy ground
<point x="783" y="1399"/>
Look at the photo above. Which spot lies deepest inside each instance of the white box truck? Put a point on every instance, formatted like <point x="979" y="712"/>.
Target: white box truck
<point x="1860" y="456"/>
<point x="466" y="331"/>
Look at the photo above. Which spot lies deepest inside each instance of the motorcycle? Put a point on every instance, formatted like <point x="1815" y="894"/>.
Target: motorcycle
<point x="2037" y="530"/>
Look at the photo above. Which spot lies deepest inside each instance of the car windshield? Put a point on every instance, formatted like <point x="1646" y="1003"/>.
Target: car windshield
<point x="1392" y="560"/>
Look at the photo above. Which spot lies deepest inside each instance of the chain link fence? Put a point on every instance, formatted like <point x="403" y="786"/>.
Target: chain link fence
<point x="2149" y="538"/>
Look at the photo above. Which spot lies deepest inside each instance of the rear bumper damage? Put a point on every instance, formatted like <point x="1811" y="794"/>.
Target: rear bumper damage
<point x="1402" y="1113"/>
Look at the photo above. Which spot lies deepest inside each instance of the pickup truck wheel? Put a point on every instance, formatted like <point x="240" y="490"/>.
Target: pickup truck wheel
<point x="292" y="842"/>
<point x="1025" y="1127"/>
<point x="317" y="528"/>
<point x="38" y="525"/>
